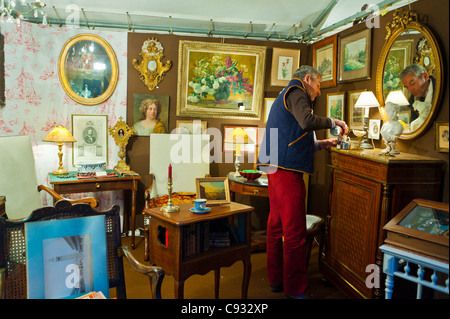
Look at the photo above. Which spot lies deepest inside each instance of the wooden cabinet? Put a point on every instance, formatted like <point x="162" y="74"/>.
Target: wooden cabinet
<point x="367" y="190"/>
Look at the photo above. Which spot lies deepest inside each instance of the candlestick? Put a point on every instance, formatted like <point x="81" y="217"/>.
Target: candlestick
<point x="170" y="207"/>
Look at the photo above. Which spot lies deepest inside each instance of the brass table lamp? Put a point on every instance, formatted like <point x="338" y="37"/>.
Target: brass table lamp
<point x="238" y="136"/>
<point x="60" y="135"/>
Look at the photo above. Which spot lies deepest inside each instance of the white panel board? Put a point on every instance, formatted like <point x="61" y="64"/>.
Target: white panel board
<point x="188" y="155"/>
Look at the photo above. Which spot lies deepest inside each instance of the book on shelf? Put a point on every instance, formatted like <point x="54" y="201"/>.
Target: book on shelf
<point x="124" y="173"/>
<point x="195" y="238"/>
<point x="219" y="239"/>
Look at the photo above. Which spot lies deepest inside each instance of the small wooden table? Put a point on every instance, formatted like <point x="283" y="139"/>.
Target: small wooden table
<point x="68" y="184"/>
<point x="242" y="186"/>
<point x="170" y="233"/>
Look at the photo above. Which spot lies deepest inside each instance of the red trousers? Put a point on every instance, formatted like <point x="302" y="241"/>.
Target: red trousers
<point x="286" y="260"/>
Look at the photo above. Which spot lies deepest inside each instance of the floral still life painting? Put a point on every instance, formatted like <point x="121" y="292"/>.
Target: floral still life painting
<point x="219" y="77"/>
<point x="220" y="80"/>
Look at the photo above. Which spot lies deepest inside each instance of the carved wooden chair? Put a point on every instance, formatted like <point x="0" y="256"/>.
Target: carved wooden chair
<point x="19" y="180"/>
<point x="13" y="281"/>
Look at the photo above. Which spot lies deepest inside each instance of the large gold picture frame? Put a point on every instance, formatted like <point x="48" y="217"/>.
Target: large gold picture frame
<point x="88" y="69"/>
<point x="218" y="80"/>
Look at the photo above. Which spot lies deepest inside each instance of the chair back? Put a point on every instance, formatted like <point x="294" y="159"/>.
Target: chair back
<point x="13" y="247"/>
<point x="18" y="177"/>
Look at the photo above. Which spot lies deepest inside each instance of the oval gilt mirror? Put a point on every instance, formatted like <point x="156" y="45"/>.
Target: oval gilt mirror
<point x="409" y="42"/>
<point x="88" y="69"/>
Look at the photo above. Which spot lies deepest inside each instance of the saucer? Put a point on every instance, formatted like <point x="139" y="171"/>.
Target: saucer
<point x="204" y="211"/>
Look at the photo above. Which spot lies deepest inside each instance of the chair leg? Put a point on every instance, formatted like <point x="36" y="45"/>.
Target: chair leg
<point x="309" y="242"/>
<point x="216" y="282"/>
<point x="179" y="289"/>
<point x="246" y="279"/>
<point x="146" y="239"/>
<point x="156" y="283"/>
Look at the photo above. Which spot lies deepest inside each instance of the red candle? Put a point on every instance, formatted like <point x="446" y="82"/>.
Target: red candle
<point x="170" y="170"/>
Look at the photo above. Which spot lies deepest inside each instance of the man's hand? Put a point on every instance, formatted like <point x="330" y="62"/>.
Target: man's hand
<point x="330" y="142"/>
<point x="343" y="125"/>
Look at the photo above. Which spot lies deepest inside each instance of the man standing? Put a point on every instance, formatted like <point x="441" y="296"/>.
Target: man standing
<point x="287" y="152"/>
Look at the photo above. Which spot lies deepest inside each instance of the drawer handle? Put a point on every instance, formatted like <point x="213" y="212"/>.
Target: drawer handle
<point x="97" y="185"/>
<point x="256" y="191"/>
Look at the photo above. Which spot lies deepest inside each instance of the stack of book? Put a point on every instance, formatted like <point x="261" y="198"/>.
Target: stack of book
<point x="195" y="238"/>
<point x="219" y="239"/>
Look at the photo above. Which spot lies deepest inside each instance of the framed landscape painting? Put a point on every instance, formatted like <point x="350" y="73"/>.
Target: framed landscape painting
<point x="355" y="114"/>
<point x="355" y="56"/>
<point x="335" y="107"/>
<point x="324" y="60"/>
<point x="220" y="80"/>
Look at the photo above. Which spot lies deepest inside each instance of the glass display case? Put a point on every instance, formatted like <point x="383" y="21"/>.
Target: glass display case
<point x="423" y="227"/>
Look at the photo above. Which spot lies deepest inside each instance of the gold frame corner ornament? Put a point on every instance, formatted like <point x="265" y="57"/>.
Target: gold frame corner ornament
<point x="151" y="69"/>
<point x="62" y="72"/>
<point x="121" y="132"/>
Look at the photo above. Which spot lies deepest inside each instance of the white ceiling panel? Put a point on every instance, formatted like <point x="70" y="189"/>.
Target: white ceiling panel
<point x="282" y="20"/>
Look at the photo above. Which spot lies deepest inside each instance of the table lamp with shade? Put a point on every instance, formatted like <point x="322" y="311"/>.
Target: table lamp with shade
<point x="392" y="129"/>
<point x="366" y="100"/>
<point x="59" y="135"/>
<point x="238" y="136"/>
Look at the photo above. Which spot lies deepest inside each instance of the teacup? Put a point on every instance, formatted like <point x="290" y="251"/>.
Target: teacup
<point x="200" y="204"/>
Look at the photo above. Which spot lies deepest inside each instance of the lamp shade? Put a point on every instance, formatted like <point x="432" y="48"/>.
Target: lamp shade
<point x="367" y="99"/>
<point x="238" y="136"/>
<point x="397" y="97"/>
<point x="59" y="134"/>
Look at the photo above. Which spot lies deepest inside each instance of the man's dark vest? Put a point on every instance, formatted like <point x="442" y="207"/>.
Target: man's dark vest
<point x="285" y="144"/>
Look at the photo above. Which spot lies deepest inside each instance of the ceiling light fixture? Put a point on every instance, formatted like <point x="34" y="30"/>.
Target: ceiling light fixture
<point x="8" y="10"/>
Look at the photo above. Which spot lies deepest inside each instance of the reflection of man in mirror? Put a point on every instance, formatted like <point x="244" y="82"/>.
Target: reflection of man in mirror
<point x="90" y="135"/>
<point x="420" y="85"/>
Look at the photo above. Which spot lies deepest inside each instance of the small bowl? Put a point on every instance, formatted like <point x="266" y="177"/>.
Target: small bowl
<point x="251" y="175"/>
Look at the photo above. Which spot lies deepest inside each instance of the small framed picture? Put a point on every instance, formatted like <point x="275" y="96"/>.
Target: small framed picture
<point x="150" y="114"/>
<point x="91" y="133"/>
<point x="374" y="129"/>
<point x="284" y="63"/>
<point x="268" y="101"/>
<point x="335" y="107"/>
<point x="324" y="60"/>
<point x="214" y="189"/>
<point x="442" y="135"/>
<point x="191" y="127"/>
<point x="355" y="56"/>
<point x="355" y="114"/>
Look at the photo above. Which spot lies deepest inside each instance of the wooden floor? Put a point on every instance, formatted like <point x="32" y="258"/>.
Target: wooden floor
<point x="202" y="287"/>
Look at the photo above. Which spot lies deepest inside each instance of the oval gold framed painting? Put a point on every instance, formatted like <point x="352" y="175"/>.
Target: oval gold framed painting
<point x="87" y="69"/>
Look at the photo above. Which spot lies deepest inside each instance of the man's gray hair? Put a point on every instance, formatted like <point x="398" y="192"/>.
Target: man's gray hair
<point x="417" y="69"/>
<point x="302" y="71"/>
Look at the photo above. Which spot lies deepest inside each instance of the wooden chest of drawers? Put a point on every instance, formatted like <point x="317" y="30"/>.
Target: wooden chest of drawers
<point x="367" y="191"/>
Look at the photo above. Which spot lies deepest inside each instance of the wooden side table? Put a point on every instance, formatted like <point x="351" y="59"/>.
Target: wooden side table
<point x="169" y="235"/>
<point x="68" y="184"/>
